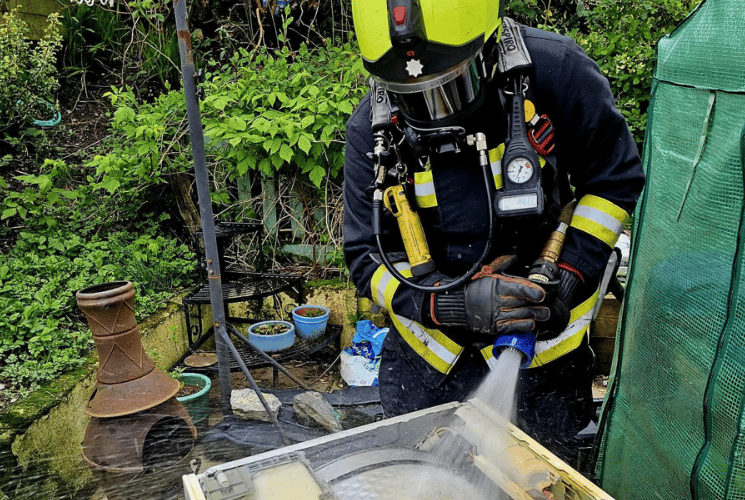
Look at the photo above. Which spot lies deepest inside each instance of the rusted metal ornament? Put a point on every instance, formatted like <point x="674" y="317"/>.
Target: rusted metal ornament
<point x="128" y="381"/>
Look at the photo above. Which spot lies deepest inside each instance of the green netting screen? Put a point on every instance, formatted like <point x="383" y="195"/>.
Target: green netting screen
<point x="673" y="424"/>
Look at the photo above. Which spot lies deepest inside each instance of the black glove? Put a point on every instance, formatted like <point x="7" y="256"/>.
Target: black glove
<point x="492" y="302"/>
<point x="559" y="300"/>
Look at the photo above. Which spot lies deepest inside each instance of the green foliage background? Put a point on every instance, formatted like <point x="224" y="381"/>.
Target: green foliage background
<point x="279" y="87"/>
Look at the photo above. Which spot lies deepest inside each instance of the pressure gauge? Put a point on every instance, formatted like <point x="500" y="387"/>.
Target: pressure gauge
<point x="520" y="170"/>
<point x="521" y="193"/>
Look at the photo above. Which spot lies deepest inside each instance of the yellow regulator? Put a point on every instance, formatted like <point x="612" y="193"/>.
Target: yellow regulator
<point x="411" y="230"/>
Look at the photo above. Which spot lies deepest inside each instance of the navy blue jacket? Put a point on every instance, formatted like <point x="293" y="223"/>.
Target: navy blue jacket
<point x="595" y="155"/>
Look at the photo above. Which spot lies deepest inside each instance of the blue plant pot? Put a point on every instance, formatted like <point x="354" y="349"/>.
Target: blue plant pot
<point x="271" y="342"/>
<point x="196" y="404"/>
<point x="310" y="327"/>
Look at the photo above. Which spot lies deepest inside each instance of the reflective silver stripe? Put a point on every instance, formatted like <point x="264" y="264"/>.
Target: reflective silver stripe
<point x="424" y="189"/>
<point x="571" y="330"/>
<point x="571" y="337"/>
<point x="427" y="340"/>
<point x="602" y="218"/>
<point x="599" y="218"/>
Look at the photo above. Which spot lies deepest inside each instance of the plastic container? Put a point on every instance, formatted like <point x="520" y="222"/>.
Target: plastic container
<point x="309" y="327"/>
<point x="196" y="404"/>
<point x="271" y="342"/>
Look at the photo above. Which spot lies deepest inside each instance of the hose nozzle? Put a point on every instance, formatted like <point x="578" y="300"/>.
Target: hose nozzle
<point x="524" y="343"/>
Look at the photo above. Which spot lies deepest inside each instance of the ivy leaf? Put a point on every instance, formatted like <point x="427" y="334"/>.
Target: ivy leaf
<point x="261" y="124"/>
<point x="276" y="144"/>
<point x="266" y="166"/>
<point x="45" y="183"/>
<point x="243" y="167"/>
<point x="282" y="97"/>
<point x="345" y="107"/>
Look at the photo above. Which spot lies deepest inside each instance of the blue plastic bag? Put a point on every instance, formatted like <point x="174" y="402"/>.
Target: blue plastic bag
<point x="367" y="331"/>
<point x="360" y="362"/>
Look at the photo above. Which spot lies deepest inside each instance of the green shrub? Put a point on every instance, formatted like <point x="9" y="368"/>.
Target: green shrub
<point x="284" y="112"/>
<point x="71" y="237"/>
<point x="270" y="113"/>
<point x="620" y="36"/>
<point x="28" y="71"/>
<point x="42" y="333"/>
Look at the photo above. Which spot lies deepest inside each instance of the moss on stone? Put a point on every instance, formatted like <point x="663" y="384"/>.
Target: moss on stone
<point x="332" y="284"/>
<point x="20" y="415"/>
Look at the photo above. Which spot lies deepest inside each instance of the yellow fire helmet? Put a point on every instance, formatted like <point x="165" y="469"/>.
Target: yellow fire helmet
<point x="427" y="53"/>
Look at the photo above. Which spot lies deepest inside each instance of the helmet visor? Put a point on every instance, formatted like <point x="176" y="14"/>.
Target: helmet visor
<point x="439" y="96"/>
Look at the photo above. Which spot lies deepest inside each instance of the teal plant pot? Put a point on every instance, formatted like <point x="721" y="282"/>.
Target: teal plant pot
<point x="196" y="404"/>
<point x="269" y="341"/>
<point x="310" y="320"/>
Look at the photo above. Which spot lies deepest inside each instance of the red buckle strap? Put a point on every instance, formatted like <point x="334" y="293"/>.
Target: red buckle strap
<point x="541" y="135"/>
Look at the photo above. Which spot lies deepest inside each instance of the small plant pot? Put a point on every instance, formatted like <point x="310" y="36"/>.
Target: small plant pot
<point x="196" y="404"/>
<point x="310" y="320"/>
<point x="272" y="336"/>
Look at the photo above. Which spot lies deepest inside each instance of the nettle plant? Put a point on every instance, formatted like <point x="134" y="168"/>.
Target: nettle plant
<point x="284" y="112"/>
<point x="274" y="112"/>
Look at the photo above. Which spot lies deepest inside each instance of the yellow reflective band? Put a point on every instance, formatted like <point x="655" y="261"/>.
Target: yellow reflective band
<point x="432" y="345"/>
<point x="383" y="284"/>
<point x="392" y="284"/>
<point x="570" y="338"/>
<point x="488" y="354"/>
<point x="495" y="160"/>
<point x="424" y="189"/>
<point x="599" y="218"/>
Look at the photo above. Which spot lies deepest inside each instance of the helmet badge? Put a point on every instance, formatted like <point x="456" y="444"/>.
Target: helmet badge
<point x="414" y="67"/>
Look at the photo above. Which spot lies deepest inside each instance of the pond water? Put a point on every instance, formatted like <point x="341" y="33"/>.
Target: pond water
<point x="67" y="455"/>
<point x="139" y="457"/>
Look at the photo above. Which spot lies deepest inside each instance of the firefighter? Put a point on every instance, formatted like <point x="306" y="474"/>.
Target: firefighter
<point x="452" y="71"/>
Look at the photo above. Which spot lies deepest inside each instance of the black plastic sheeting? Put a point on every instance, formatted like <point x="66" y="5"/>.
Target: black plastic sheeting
<point x="355" y="406"/>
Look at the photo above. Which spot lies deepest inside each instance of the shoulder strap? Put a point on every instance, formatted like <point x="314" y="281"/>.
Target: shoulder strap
<point x="512" y="54"/>
<point x="380" y="106"/>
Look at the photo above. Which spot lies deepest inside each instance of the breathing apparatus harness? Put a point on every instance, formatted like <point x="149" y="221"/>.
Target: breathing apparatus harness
<point x="521" y="192"/>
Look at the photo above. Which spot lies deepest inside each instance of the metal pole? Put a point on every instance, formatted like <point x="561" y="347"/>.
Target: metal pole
<point x="188" y="74"/>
